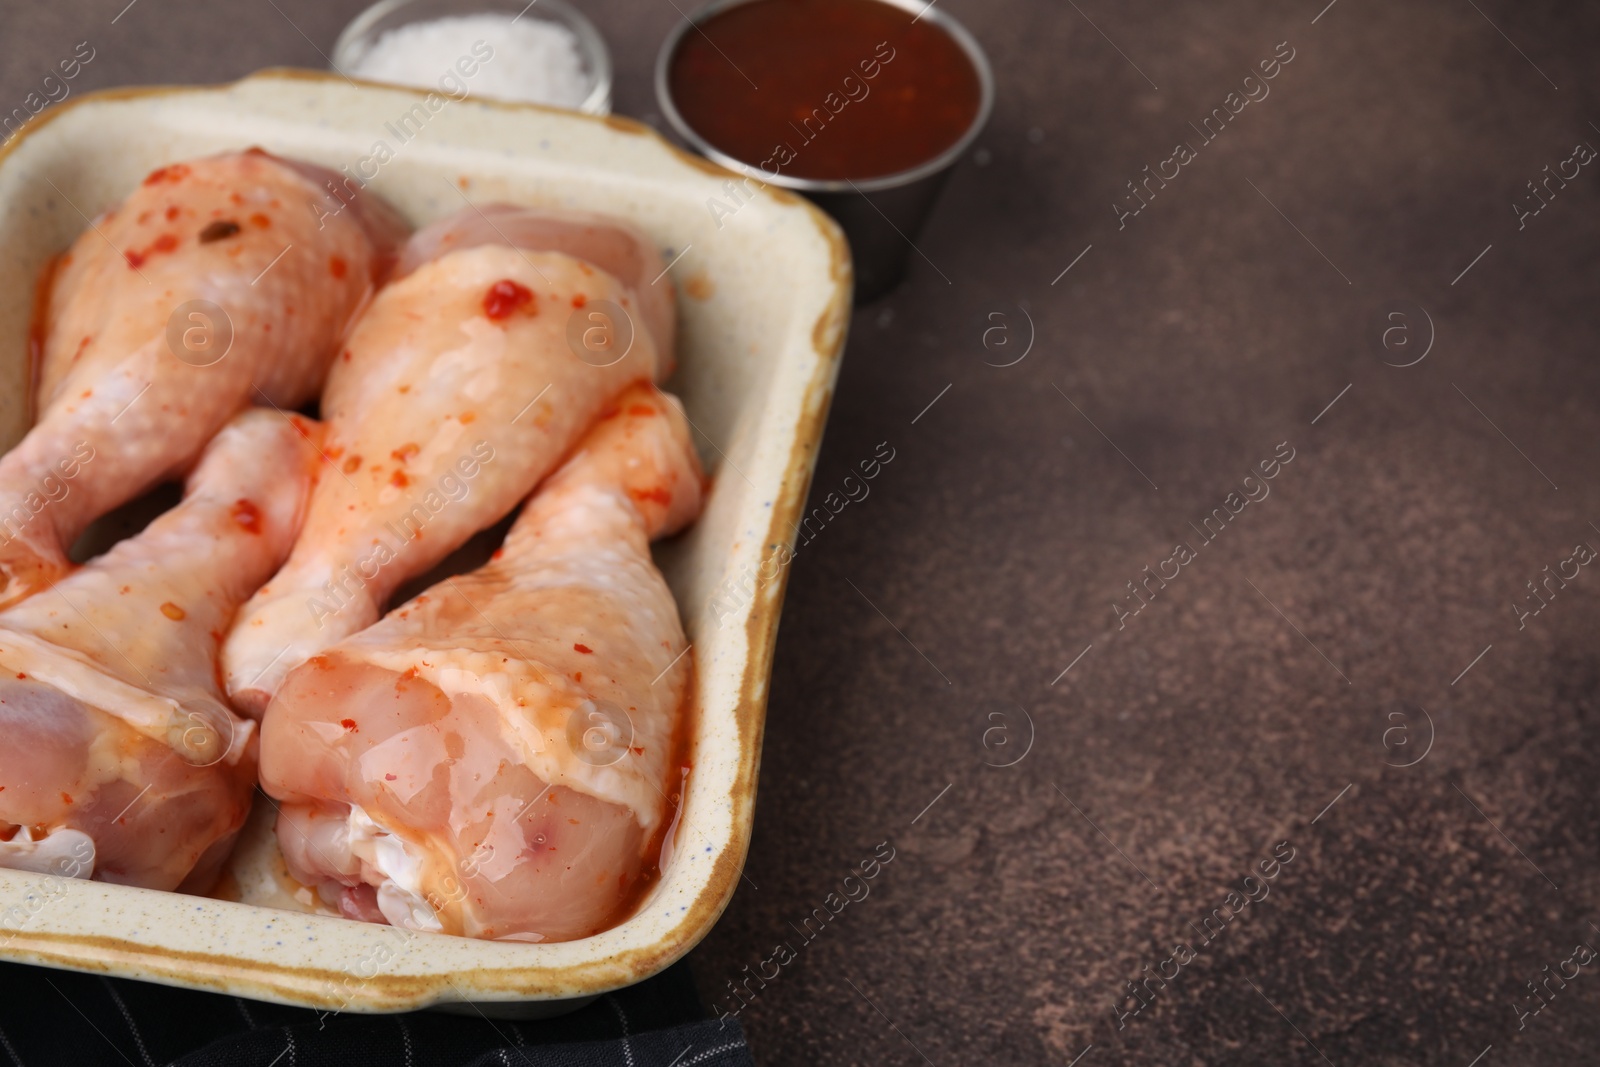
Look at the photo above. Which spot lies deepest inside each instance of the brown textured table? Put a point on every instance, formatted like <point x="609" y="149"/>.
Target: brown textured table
<point x="1369" y="587"/>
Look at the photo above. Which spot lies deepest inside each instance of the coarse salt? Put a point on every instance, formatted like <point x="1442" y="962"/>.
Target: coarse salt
<point x="533" y="59"/>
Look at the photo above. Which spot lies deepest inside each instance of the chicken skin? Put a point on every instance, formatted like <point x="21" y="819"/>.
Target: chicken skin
<point x="218" y="283"/>
<point x="461" y="386"/>
<point x="602" y="242"/>
<point x="495" y="757"/>
<point x="121" y="760"/>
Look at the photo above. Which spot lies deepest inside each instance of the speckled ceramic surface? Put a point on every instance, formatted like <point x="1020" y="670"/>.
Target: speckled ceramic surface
<point x="763" y="305"/>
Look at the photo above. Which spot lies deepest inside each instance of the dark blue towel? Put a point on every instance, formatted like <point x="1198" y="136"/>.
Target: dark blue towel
<point x="57" y="1017"/>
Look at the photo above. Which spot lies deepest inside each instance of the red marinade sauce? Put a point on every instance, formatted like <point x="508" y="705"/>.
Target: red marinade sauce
<point x="39" y="328"/>
<point x="842" y="88"/>
<point x="247" y="515"/>
<point x="506" y="296"/>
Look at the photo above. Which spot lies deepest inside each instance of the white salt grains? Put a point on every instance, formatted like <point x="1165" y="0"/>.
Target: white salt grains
<point x="527" y="59"/>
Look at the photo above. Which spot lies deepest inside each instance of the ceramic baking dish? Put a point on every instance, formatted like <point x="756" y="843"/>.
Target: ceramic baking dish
<point x="764" y="298"/>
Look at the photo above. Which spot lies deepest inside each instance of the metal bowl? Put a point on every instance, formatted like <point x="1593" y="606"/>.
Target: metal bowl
<point x="881" y="216"/>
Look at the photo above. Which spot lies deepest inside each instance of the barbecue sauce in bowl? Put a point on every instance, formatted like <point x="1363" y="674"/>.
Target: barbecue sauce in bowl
<point x="824" y="89"/>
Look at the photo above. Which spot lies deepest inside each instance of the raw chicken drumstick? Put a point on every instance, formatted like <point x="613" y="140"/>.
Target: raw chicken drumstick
<point x="461" y="386"/>
<point x="134" y="379"/>
<point x="120" y="758"/>
<point x="494" y="758"/>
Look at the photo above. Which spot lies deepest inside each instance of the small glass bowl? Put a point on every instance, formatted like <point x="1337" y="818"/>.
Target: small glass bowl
<point x="386" y="15"/>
